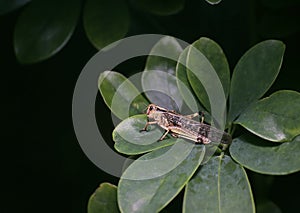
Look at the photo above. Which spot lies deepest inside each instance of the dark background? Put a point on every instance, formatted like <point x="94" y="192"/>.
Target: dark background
<point x="44" y="168"/>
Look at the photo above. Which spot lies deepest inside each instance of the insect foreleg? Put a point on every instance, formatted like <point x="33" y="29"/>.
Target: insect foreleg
<point x="147" y="124"/>
<point x="164" y="135"/>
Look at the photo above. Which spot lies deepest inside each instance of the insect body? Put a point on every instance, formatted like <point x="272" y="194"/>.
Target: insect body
<point x="184" y="127"/>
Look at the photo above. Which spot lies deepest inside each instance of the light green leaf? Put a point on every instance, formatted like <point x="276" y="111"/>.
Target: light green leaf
<point x="104" y="199"/>
<point x="105" y="21"/>
<point x="275" y="118"/>
<point x="43" y="28"/>
<point x="220" y="185"/>
<point x="265" y="157"/>
<point x="7" y="6"/>
<point x="158" y="78"/>
<point x="150" y="183"/>
<point x="131" y="141"/>
<point x="120" y="95"/>
<point x="254" y="74"/>
<point x="158" y="7"/>
<point x="208" y="74"/>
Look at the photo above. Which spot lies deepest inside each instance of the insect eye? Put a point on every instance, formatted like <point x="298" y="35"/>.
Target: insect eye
<point x="151" y="108"/>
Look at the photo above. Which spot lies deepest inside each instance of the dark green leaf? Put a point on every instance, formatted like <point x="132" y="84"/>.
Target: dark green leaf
<point x="265" y="157"/>
<point x="220" y="185"/>
<point x="43" y="28"/>
<point x="208" y="74"/>
<point x="185" y="89"/>
<point x="150" y="183"/>
<point x="159" y="7"/>
<point x="120" y="95"/>
<point x="158" y="79"/>
<point x="213" y="1"/>
<point x="105" y="21"/>
<point x="104" y="199"/>
<point x="254" y="74"/>
<point x="7" y="6"/>
<point x="131" y="141"/>
<point x="276" y="118"/>
<point x="183" y="84"/>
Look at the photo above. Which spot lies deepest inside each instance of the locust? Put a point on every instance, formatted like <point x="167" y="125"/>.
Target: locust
<point x="183" y="126"/>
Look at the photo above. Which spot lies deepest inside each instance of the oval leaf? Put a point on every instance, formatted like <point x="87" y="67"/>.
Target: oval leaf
<point x="254" y="74"/>
<point x="131" y="141"/>
<point x="208" y="74"/>
<point x="158" y="78"/>
<point x="104" y="22"/>
<point x="265" y="157"/>
<point x="7" y="6"/>
<point x="185" y="89"/>
<point x="104" y="199"/>
<point x="220" y="185"/>
<point x="120" y="95"/>
<point x="276" y="118"/>
<point x="151" y="195"/>
<point x="158" y="7"/>
<point x="43" y="28"/>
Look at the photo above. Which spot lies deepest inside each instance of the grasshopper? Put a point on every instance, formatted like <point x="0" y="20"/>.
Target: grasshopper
<point x="183" y="126"/>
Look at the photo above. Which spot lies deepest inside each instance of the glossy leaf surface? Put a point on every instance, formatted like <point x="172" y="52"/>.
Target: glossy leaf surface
<point x="220" y="185"/>
<point x="131" y="141"/>
<point x="43" y="28"/>
<point x="208" y="74"/>
<point x="150" y="183"/>
<point x="275" y="118"/>
<point x="158" y="78"/>
<point x="105" y="21"/>
<point x="104" y="199"/>
<point x="120" y="95"/>
<point x="253" y="75"/>
<point x="265" y="157"/>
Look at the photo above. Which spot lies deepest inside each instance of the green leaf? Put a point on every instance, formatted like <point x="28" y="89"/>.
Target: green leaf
<point x="254" y="74"/>
<point x="158" y="7"/>
<point x="105" y="21"/>
<point x="220" y="185"/>
<point x="265" y="157"/>
<point x="208" y="74"/>
<point x="104" y="199"/>
<point x="185" y="89"/>
<point x="158" y="78"/>
<point x="120" y="95"/>
<point x="150" y="183"/>
<point x="7" y="6"/>
<point x="213" y="1"/>
<point x="131" y="141"/>
<point x="43" y="28"/>
<point x="275" y="118"/>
